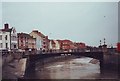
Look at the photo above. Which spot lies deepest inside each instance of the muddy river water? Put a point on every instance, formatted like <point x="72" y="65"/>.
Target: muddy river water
<point x="77" y="68"/>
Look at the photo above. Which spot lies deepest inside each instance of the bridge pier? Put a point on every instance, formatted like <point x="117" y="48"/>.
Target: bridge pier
<point x="101" y="59"/>
<point x="30" y="67"/>
<point x="101" y="66"/>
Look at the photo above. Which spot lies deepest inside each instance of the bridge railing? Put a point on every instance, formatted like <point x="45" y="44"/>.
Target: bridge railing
<point x="64" y="51"/>
<point x="53" y="51"/>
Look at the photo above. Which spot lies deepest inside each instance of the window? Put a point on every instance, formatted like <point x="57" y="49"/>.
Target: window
<point x="0" y="37"/>
<point x="21" y="44"/>
<point x="44" y="46"/>
<point x="22" y="41"/>
<point x="14" y="46"/>
<point x="4" y="32"/>
<point x="6" y="37"/>
<point x="43" y="42"/>
<point x="6" y="45"/>
<point x="1" y="45"/>
<point x="12" y="38"/>
<point x="21" y="37"/>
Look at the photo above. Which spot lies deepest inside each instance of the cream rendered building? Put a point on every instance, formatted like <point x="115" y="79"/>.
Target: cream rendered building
<point x="39" y="39"/>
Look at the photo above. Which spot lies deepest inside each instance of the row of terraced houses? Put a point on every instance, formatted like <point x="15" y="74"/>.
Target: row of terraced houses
<point x="35" y="40"/>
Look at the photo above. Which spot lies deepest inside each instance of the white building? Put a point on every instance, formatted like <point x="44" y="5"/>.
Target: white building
<point x="54" y="44"/>
<point x="8" y="38"/>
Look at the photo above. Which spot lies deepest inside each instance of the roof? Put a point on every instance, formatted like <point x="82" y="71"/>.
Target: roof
<point x="6" y="30"/>
<point x="79" y="43"/>
<point x="52" y="41"/>
<point x="25" y="35"/>
<point x="59" y="41"/>
<point x="38" y="33"/>
<point x="66" y="40"/>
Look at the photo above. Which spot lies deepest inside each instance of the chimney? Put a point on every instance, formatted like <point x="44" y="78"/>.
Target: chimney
<point x="46" y="37"/>
<point x="35" y="30"/>
<point x="6" y="26"/>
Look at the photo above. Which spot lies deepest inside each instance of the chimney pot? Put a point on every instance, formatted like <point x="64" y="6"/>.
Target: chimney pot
<point x="6" y="26"/>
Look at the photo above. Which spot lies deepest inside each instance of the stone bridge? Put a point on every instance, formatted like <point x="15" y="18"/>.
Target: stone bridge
<point x="33" y="58"/>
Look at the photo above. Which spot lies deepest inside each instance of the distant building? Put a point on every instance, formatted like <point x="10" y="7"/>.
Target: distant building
<point x="111" y="50"/>
<point x="25" y="41"/>
<point x="42" y="41"/>
<point x="89" y="48"/>
<point x="79" y="45"/>
<point x="8" y="38"/>
<point x="67" y="45"/>
<point x="54" y="44"/>
<point x="45" y="45"/>
<point x="57" y="44"/>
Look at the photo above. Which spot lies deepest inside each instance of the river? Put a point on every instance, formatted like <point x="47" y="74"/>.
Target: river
<point x="77" y="68"/>
<point x="60" y="68"/>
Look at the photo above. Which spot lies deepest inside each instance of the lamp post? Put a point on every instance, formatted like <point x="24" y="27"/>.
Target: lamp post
<point x="100" y="47"/>
<point x="104" y="46"/>
<point x="104" y="41"/>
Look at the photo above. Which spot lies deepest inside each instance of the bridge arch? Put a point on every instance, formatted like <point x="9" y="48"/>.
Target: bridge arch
<point x="96" y="55"/>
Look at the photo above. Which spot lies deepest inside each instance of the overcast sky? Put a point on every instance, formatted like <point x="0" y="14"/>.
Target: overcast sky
<point x="87" y="22"/>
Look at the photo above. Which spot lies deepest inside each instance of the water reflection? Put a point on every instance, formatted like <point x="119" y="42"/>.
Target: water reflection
<point x="79" y="68"/>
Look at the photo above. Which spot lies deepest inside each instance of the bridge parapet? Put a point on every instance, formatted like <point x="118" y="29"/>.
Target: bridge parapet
<point x="96" y="55"/>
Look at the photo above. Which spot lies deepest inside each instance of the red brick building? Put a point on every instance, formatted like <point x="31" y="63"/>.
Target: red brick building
<point x="45" y="45"/>
<point x="79" y="45"/>
<point x="25" y="41"/>
<point x="67" y="44"/>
